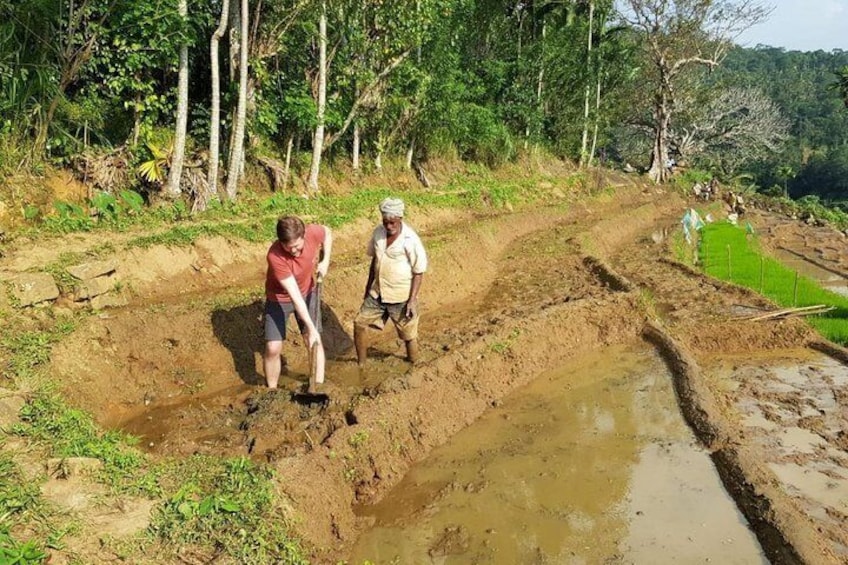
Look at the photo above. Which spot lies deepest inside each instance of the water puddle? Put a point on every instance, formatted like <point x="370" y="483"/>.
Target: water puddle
<point x="158" y="425"/>
<point x="591" y="463"/>
<point x="829" y="279"/>
<point x="793" y="407"/>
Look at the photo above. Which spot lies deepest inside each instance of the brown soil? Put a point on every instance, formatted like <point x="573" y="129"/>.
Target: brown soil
<point x="509" y="295"/>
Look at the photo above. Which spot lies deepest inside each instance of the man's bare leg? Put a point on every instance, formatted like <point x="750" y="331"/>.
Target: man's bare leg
<point x="412" y="351"/>
<point x="360" y="341"/>
<point x="271" y="362"/>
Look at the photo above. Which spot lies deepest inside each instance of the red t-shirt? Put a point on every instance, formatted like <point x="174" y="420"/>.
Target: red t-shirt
<point x="281" y="265"/>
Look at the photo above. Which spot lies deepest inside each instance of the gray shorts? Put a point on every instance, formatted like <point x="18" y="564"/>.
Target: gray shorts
<point x="277" y="313"/>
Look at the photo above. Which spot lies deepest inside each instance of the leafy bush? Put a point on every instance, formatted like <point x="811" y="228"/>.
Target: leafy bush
<point x="69" y="218"/>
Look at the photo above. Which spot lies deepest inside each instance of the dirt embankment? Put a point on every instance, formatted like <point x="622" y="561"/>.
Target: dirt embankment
<point x="508" y="296"/>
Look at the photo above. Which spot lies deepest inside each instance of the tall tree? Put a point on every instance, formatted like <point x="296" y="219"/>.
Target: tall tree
<point x="679" y="35"/>
<point x="215" y="120"/>
<point x="584" y="140"/>
<point x="841" y="84"/>
<point x="76" y="30"/>
<point x="735" y="126"/>
<point x="237" y="152"/>
<point x="175" y="174"/>
<point x="318" y="137"/>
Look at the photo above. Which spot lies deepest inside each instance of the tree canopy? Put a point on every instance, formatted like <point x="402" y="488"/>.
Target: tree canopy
<point x="99" y="81"/>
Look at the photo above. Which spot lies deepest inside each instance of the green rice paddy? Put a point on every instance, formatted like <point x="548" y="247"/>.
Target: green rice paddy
<point x="733" y="254"/>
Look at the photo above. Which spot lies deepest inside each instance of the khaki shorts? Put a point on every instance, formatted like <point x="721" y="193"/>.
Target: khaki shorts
<point x="374" y="313"/>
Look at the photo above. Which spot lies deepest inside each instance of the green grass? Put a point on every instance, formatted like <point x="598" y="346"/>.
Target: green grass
<point x="21" y="503"/>
<point x="225" y="504"/>
<point x="15" y="552"/>
<point x="228" y="504"/>
<point x="174" y="225"/>
<point x="18" y="497"/>
<point x="27" y="350"/>
<point x="69" y="432"/>
<point x="729" y="253"/>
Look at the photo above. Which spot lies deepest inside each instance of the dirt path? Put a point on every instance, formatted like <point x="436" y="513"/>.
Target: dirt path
<point x="508" y="296"/>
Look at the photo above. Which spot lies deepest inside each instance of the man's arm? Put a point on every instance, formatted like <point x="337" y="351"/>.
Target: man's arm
<point x="372" y="273"/>
<point x="412" y="302"/>
<point x="290" y="284"/>
<point x="417" y="257"/>
<point x="326" y="251"/>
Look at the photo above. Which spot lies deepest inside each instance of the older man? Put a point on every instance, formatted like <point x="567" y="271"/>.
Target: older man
<point x="398" y="263"/>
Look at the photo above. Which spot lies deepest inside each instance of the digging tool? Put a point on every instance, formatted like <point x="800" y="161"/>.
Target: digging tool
<point x="311" y="395"/>
<point x="313" y="350"/>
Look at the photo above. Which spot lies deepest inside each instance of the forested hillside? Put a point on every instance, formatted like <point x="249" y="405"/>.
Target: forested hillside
<point x="804" y="86"/>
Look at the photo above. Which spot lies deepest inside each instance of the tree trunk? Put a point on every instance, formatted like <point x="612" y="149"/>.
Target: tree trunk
<point x="597" y="118"/>
<point x="238" y="142"/>
<point x="172" y="190"/>
<point x="584" y="156"/>
<point x="215" y="122"/>
<point x="355" y="151"/>
<point x="235" y="26"/>
<point x="410" y="153"/>
<point x="233" y="39"/>
<point x="136" y="120"/>
<point x="659" y="170"/>
<point x="540" y="80"/>
<point x="318" y="139"/>
<point x="287" y="170"/>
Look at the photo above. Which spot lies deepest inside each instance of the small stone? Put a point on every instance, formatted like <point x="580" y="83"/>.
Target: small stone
<point x="72" y="466"/>
<point x="33" y="288"/>
<point x="92" y="270"/>
<point x="10" y="408"/>
<point x="95" y="287"/>
<point x="108" y="301"/>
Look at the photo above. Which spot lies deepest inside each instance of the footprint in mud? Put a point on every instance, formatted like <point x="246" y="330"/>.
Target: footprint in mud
<point x="454" y="540"/>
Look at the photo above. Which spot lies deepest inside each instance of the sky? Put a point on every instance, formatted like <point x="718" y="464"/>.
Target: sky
<point x="802" y="25"/>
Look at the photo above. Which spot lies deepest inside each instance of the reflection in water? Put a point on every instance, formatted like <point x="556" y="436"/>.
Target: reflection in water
<point x="588" y="464"/>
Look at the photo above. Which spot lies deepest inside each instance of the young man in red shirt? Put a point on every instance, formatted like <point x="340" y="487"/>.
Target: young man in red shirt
<point x="289" y="288"/>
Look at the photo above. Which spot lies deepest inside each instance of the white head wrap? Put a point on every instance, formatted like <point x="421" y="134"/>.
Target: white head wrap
<point x="392" y="208"/>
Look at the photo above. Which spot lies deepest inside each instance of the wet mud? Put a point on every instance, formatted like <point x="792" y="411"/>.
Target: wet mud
<point x="792" y="407"/>
<point x="510" y="296"/>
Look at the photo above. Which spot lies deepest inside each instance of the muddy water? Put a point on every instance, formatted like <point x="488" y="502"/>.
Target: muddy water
<point x="793" y="406"/>
<point x="164" y="423"/>
<point x="829" y="279"/>
<point x="592" y="463"/>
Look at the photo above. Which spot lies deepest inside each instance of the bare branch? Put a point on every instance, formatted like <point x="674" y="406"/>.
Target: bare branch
<point x="364" y="95"/>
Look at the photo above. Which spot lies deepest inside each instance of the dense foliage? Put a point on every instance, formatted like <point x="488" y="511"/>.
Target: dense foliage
<point x="92" y="85"/>
<point x="806" y="88"/>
